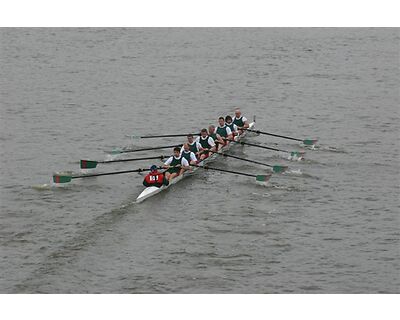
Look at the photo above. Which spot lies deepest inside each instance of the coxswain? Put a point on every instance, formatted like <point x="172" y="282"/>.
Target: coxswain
<point x="155" y="178"/>
<point x="175" y="165"/>
<point x="229" y="123"/>
<point x="207" y="144"/>
<point x="240" y="121"/>
<point x="188" y="154"/>
<point x="223" y="133"/>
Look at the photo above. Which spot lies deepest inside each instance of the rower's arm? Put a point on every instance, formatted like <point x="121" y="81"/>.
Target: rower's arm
<point x="185" y="164"/>
<point x="229" y="132"/>
<point x="167" y="163"/>
<point x="211" y="142"/>
<point x="193" y="157"/>
<point x="246" y="123"/>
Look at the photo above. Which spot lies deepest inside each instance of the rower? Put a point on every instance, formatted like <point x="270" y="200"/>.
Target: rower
<point x="229" y="123"/>
<point x="194" y="145"/>
<point x="175" y="165"/>
<point x="223" y="133"/>
<point x="240" y="121"/>
<point x="212" y="133"/>
<point x="155" y="178"/>
<point x="207" y="144"/>
<point x="188" y="154"/>
<point x="217" y="138"/>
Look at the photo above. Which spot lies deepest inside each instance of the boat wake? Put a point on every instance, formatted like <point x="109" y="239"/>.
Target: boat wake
<point x="327" y="149"/>
<point x="50" y="186"/>
<point x="286" y="188"/>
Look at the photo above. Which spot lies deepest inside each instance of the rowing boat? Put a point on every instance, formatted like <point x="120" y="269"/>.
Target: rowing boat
<point x="152" y="191"/>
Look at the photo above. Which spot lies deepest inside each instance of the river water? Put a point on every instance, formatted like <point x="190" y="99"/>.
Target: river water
<point x="331" y="225"/>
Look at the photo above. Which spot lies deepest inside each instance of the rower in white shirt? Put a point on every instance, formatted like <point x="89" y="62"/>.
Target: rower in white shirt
<point x="229" y="123"/>
<point x="240" y="121"/>
<point x="207" y="144"/>
<point x="188" y="154"/>
<point x="194" y="145"/>
<point x="175" y="165"/>
<point x="213" y="134"/>
<point x="223" y="132"/>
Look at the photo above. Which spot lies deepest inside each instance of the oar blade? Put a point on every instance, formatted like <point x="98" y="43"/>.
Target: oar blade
<point x="61" y="178"/>
<point x="88" y="164"/>
<point x="263" y="177"/>
<point x="310" y="142"/>
<point x="279" y="169"/>
<point x="116" y="151"/>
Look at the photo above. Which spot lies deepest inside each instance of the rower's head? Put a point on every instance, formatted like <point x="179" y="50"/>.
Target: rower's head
<point x="190" y="138"/>
<point x="228" y="119"/>
<point x="153" y="168"/>
<point x="177" y="152"/>
<point x="238" y="114"/>
<point x="186" y="147"/>
<point x="211" y="129"/>
<point x="221" y="121"/>
<point x="204" y="133"/>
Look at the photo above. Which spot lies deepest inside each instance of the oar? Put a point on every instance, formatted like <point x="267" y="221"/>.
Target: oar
<point x="259" y="177"/>
<point x="307" y="142"/>
<point x="145" y="149"/>
<point x="275" y="168"/>
<point x="91" y="164"/>
<point x="292" y="153"/>
<point x="65" y="178"/>
<point x="164" y="136"/>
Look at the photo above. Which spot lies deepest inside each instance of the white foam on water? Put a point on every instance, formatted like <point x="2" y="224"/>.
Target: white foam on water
<point x="110" y="157"/>
<point x="88" y="171"/>
<point x="295" y="172"/>
<point x="44" y="186"/>
<point x="295" y="158"/>
<point x="263" y="195"/>
<point x="263" y="183"/>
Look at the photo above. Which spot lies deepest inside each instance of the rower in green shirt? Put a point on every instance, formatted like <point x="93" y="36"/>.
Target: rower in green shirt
<point x="188" y="154"/>
<point x="229" y="123"/>
<point x="175" y="165"/>
<point x="223" y="133"/>
<point x="240" y="121"/>
<point x="194" y="145"/>
<point x="207" y="144"/>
